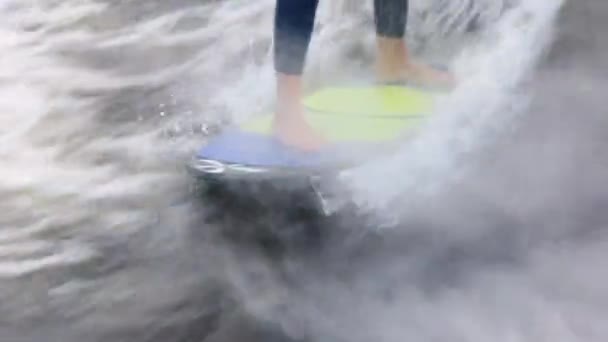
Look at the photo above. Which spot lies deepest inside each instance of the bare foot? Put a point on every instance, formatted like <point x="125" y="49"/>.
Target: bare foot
<point x="426" y="76"/>
<point x="394" y="65"/>
<point x="290" y="125"/>
<point x="294" y="130"/>
<point x="417" y="74"/>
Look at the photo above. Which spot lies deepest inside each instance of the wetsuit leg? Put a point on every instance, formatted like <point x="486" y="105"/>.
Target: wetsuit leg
<point x="294" y="23"/>
<point x="293" y="26"/>
<point x="390" y="17"/>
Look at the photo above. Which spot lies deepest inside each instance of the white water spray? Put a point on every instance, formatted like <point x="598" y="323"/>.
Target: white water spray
<point x="484" y="105"/>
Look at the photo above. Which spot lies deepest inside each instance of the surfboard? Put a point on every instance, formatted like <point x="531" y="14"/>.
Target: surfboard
<point x="357" y="121"/>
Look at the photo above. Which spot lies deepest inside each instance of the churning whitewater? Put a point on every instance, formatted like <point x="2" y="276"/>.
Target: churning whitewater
<point x="495" y="208"/>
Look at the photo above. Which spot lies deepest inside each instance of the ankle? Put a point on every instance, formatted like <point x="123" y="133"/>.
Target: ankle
<point x="392" y="57"/>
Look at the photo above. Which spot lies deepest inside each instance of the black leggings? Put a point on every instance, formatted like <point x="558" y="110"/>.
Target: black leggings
<point x="294" y="22"/>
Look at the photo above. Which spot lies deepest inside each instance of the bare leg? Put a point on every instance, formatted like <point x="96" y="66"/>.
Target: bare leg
<point x="294" y="21"/>
<point x="290" y="124"/>
<point x="394" y="63"/>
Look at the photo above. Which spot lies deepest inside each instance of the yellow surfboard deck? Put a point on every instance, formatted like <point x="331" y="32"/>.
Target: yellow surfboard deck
<point x="364" y="114"/>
